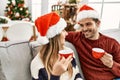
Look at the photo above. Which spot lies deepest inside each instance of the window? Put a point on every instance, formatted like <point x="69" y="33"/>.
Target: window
<point x="40" y="7"/>
<point x="109" y="11"/>
<point x="52" y="2"/>
<point x="35" y="8"/>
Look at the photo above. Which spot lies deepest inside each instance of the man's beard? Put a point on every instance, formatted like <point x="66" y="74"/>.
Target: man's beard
<point x="89" y="33"/>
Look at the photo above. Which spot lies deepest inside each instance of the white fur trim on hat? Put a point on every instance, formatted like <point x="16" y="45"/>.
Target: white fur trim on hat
<point x="87" y="14"/>
<point x="42" y="40"/>
<point x="76" y="26"/>
<point x="56" y="29"/>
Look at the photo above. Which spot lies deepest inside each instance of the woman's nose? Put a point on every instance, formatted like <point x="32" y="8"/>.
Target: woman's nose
<point x="66" y="33"/>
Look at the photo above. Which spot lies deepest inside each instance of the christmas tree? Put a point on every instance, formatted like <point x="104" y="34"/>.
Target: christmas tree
<point x="16" y="10"/>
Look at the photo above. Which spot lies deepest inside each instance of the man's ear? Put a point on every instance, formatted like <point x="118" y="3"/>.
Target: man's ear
<point x="98" y="23"/>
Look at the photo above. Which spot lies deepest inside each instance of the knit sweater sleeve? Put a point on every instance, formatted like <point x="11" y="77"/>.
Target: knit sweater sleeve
<point x="69" y="37"/>
<point x="72" y="36"/>
<point x="116" y="57"/>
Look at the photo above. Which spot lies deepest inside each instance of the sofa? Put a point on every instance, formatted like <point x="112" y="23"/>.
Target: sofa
<point x="114" y="33"/>
<point x="16" y="56"/>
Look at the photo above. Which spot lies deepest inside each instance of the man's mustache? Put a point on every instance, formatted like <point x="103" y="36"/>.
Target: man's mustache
<point x="86" y="30"/>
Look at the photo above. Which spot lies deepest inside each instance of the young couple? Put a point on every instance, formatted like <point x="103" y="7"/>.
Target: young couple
<point x="48" y="64"/>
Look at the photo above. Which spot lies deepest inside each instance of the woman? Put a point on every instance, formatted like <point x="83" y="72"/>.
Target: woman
<point x="48" y="64"/>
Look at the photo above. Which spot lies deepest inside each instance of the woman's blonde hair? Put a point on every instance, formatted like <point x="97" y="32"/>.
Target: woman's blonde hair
<point x="49" y="55"/>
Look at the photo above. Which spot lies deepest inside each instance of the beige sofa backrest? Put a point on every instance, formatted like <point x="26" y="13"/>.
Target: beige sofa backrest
<point x="68" y="44"/>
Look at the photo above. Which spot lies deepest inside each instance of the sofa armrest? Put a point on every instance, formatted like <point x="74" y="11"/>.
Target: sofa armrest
<point x="15" y="59"/>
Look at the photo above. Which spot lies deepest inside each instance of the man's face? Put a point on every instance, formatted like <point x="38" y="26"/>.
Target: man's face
<point x="89" y="28"/>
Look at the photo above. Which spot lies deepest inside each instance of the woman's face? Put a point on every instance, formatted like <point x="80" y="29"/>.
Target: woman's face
<point x="62" y="36"/>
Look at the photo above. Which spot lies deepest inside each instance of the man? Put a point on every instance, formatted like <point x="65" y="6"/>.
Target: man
<point x="108" y="66"/>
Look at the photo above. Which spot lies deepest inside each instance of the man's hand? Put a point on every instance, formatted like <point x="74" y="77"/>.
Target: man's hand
<point x="107" y="60"/>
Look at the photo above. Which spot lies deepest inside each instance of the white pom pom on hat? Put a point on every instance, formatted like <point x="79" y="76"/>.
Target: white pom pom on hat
<point x="49" y="25"/>
<point x="76" y="26"/>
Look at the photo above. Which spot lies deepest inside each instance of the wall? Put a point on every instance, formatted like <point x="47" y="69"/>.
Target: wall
<point x="44" y="7"/>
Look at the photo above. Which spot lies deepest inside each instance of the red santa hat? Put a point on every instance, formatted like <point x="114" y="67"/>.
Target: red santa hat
<point x="49" y="25"/>
<point x="87" y="12"/>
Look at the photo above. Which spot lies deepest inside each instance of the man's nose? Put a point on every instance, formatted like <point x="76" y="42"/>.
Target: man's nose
<point x="84" y="28"/>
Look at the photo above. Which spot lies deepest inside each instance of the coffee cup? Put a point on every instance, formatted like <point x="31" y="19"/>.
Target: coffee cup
<point x="66" y="53"/>
<point x="97" y="52"/>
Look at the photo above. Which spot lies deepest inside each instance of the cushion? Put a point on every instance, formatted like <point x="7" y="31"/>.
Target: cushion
<point x="20" y="31"/>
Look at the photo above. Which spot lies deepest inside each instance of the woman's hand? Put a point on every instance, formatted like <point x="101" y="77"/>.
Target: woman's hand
<point x="61" y="65"/>
<point x="107" y="60"/>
